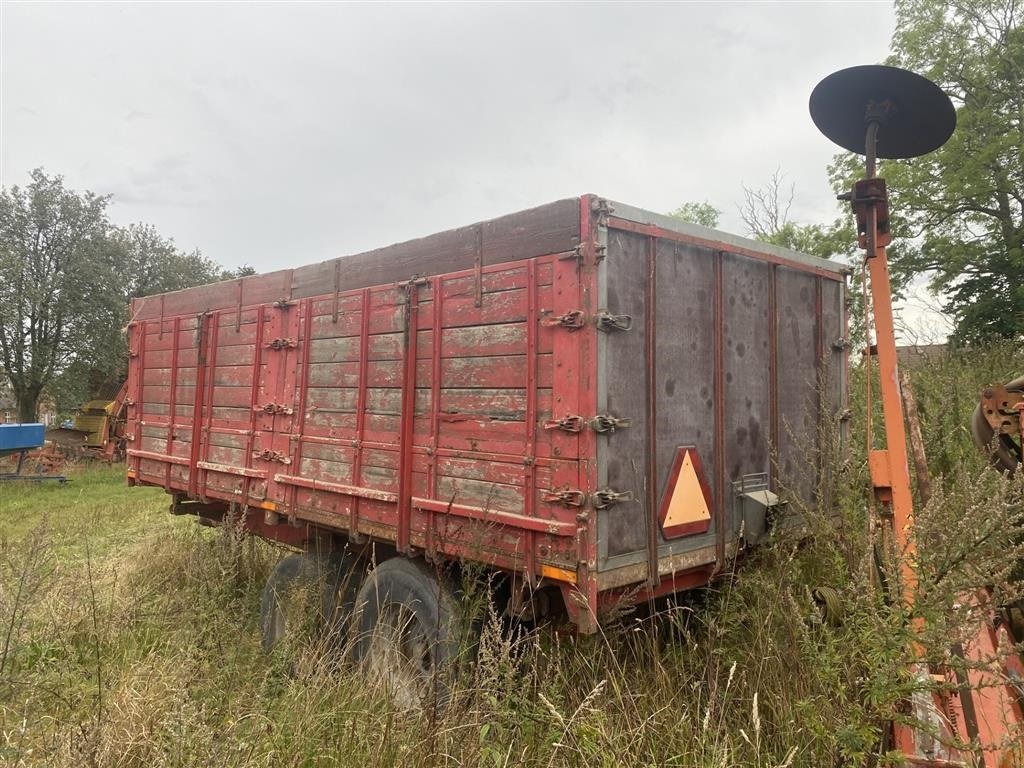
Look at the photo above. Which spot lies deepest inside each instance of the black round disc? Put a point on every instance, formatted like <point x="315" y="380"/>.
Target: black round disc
<point x="921" y="119"/>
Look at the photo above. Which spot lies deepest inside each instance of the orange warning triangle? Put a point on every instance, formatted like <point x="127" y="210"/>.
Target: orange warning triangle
<point x="686" y="510"/>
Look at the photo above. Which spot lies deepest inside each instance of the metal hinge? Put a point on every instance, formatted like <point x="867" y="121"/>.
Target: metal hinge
<point x="268" y="455"/>
<point x="570" y="497"/>
<point x="282" y="344"/>
<point x="572" y="321"/>
<point x="606" y="321"/>
<point x="605" y="422"/>
<point x="283" y="304"/>
<point x="274" y="408"/>
<point x="566" y="424"/>
<point x="840" y="344"/>
<point x="608" y="497"/>
<point x="412" y="282"/>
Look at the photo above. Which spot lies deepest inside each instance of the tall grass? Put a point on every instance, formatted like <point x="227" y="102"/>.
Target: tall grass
<point x="130" y="638"/>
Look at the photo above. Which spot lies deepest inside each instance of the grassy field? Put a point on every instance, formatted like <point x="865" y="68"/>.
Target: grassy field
<point x="129" y="637"/>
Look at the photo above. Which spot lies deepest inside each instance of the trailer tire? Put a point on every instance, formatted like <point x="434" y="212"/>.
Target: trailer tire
<point x="410" y="636"/>
<point x="331" y="580"/>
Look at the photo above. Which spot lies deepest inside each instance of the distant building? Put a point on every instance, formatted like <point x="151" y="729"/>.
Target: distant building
<point x="916" y="355"/>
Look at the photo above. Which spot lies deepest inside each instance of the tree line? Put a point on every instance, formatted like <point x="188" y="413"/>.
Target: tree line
<point x="66" y="276"/>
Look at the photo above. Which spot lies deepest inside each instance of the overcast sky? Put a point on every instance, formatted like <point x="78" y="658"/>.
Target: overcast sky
<point x="276" y="134"/>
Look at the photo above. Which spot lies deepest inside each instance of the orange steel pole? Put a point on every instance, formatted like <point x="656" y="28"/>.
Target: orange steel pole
<point x="890" y="468"/>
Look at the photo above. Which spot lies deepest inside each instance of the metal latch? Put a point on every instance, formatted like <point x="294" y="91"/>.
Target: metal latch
<point x="268" y="455"/>
<point x="608" y="497"/>
<point x="283" y="343"/>
<point x="566" y="424"/>
<point x="570" y="497"/>
<point x="606" y="321"/>
<point x="605" y="422"/>
<point x="275" y="408"/>
<point x="600" y="251"/>
<point x="840" y="344"/>
<point x="573" y="320"/>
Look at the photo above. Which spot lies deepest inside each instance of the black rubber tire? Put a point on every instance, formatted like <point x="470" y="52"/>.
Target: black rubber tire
<point x="409" y="632"/>
<point x="333" y="578"/>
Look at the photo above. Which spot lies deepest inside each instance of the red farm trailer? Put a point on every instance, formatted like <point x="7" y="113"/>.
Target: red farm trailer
<point x="585" y="395"/>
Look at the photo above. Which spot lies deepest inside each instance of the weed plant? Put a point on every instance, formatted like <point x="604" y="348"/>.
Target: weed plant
<point x="130" y="638"/>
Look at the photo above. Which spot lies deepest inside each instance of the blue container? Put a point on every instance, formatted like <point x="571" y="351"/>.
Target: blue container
<point x="20" y="437"/>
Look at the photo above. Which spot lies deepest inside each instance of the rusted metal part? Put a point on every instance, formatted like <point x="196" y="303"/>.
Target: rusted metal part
<point x="478" y="267"/>
<point x="566" y="424"/>
<point x="267" y="455"/>
<point x="282" y="343"/>
<point x="608" y="322"/>
<point x="572" y="320"/>
<point x="924" y="480"/>
<point x="605" y="423"/>
<point x="607" y="497"/>
<point x="570" y="497"/>
<point x="1002" y="409"/>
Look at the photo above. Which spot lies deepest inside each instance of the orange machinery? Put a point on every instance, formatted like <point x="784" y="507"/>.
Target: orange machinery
<point x="972" y="715"/>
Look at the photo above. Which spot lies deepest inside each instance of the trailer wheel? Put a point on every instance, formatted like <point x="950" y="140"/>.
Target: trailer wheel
<point x="409" y="632"/>
<point x="328" y="579"/>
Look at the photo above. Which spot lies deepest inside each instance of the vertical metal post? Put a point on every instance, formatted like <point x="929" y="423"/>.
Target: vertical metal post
<point x="651" y="365"/>
<point x="408" y="417"/>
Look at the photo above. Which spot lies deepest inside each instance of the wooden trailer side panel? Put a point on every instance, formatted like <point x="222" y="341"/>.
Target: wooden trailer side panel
<point x="296" y="407"/>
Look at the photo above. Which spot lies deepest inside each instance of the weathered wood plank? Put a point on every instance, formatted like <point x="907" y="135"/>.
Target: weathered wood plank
<point x="551" y="228"/>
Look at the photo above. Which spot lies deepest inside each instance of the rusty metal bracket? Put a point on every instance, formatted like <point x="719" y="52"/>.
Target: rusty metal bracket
<point x="841" y="343"/>
<point x="608" y="322"/>
<point x="605" y="422"/>
<point x="1001" y="409"/>
<point x="412" y="282"/>
<point x="566" y="424"/>
<point x="600" y="251"/>
<point x="603" y="209"/>
<point x="269" y="455"/>
<point x="283" y="304"/>
<point x="274" y="408"/>
<point x="608" y="497"/>
<point x="570" y="497"/>
<point x="572" y="321"/>
<point x="868" y="194"/>
<point x="283" y="343"/>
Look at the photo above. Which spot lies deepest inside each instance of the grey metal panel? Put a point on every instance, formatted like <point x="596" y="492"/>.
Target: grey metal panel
<point x="642" y="216"/>
<point x="684" y="382"/>
<point x="797" y="381"/>
<point x="624" y="453"/>
<point x="745" y="358"/>
<point x="833" y="320"/>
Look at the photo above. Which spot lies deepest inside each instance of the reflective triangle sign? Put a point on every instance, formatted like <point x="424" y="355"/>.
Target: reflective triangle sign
<point x="686" y="505"/>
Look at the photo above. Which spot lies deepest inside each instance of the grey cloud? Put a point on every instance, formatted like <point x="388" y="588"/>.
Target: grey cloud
<point x="265" y="132"/>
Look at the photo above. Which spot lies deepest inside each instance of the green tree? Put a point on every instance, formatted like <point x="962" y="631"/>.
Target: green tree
<point x="704" y="214"/>
<point x="66" y="275"/>
<point x="52" y="243"/>
<point x="960" y="209"/>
